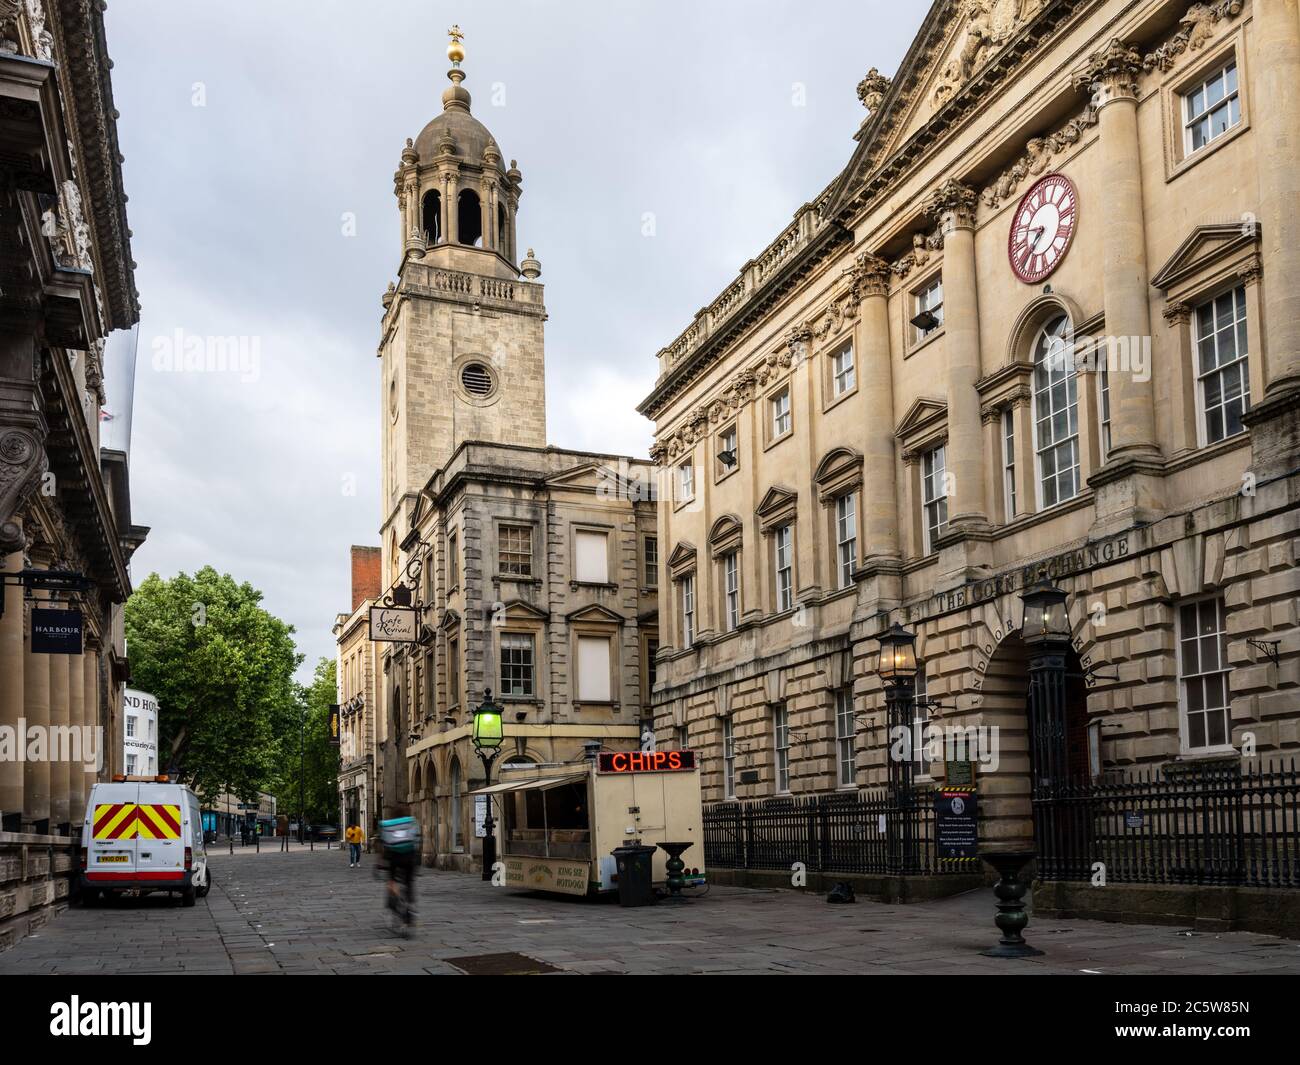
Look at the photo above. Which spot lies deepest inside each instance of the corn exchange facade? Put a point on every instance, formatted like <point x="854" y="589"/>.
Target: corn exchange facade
<point x="1039" y="338"/>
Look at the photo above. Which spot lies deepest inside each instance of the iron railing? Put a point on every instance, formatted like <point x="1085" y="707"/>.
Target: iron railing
<point x="871" y="832"/>
<point x="1214" y="823"/>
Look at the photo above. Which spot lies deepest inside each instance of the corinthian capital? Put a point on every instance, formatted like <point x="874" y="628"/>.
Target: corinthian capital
<point x="868" y="276"/>
<point x="1111" y="74"/>
<point x="953" y="204"/>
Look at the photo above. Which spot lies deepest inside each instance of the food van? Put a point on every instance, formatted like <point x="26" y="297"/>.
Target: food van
<point x="557" y="825"/>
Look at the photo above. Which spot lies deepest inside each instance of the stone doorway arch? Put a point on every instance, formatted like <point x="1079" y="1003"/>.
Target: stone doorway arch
<point x="1006" y="793"/>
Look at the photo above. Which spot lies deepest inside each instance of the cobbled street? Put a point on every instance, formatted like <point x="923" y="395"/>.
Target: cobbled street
<point x="308" y="912"/>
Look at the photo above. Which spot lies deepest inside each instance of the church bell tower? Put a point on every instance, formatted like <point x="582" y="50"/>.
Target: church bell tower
<point x="461" y="349"/>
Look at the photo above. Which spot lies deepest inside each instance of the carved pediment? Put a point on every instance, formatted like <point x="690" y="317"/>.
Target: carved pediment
<point x="519" y="610"/>
<point x="957" y="41"/>
<point x="923" y="414"/>
<point x="777" y="507"/>
<point x="839" y="471"/>
<point x="586" y="477"/>
<point x="725" y="535"/>
<point x="1203" y="249"/>
<point x="596" y="613"/>
<point x="682" y="559"/>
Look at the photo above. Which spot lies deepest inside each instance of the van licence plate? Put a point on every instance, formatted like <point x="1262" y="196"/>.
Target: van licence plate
<point x="112" y="858"/>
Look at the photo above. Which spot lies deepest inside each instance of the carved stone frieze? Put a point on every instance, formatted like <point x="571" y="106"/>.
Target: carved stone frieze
<point x="1039" y="152"/>
<point x="1197" y="24"/>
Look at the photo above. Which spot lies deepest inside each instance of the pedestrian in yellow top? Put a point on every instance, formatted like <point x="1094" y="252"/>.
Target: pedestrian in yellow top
<point x="355" y="837"/>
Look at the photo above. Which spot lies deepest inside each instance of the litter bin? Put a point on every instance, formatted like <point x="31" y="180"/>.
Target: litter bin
<point x="634" y="875"/>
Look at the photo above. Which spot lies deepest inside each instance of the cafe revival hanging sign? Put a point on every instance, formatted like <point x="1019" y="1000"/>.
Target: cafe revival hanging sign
<point x="398" y="624"/>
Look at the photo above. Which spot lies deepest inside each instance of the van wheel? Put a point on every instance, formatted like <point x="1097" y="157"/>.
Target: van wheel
<point x="90" y="897"/>
<point x="207" y="883"/>
<point x="188" y="897"/>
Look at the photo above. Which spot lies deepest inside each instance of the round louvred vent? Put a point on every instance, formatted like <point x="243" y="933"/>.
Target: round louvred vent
<point x="476" y="379"/>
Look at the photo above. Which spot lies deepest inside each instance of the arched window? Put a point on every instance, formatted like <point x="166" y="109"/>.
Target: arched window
<point x="1056" y="414"/>
<point x="457" y="839"/>
<point x="431" y="216"/>
<point x="469" y="218"/>
<point x="503" y="237"/>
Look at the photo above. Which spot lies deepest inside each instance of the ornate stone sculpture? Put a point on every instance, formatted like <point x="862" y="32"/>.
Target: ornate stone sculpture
<point x="1197" y="27"/>
<point x="1111" y="73"/>
<point x="22" y="464"/>
<point x="989" y="25"/>
<point x="872" y="89"/>
<point x="868" y="276"/>
<point x="952" y="204"/>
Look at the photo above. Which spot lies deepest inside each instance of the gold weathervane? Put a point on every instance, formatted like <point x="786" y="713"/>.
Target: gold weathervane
<point x="456" y="50"/>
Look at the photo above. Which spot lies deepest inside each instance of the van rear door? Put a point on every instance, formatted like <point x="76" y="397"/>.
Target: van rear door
<point x="160" y="848"/>
<point x="112" y="836"/>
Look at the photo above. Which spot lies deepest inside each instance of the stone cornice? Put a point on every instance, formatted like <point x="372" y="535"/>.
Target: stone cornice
<point x="88" y="96"/>
<point x="702" y="350"/>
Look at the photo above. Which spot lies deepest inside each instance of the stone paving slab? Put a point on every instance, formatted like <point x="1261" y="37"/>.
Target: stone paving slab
<point x="308" y="912"/>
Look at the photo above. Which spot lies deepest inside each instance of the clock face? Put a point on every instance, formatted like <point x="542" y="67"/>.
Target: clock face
<point x="1042" y="228"/>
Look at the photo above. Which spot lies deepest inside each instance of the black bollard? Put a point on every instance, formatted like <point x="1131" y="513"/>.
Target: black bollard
<point x="1011" y="917"/>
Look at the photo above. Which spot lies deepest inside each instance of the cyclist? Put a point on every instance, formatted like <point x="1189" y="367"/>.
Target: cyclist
<point x="400" y="837"/>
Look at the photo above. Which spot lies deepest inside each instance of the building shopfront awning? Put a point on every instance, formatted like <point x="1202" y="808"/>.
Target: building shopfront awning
<point x="534" y="784"/>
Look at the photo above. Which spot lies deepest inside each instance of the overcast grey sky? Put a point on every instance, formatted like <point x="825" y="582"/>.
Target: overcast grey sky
<point x="250" y="130"/>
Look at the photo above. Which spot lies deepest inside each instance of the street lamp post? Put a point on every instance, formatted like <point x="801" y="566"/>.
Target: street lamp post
<point x="488" y="735"/>
<point x="897" y="670"/>
<point x="302" y="771"/>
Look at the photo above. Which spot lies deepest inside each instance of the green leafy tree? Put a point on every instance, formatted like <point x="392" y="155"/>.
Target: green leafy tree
<point x="222" y="669"/>
<point x="310" y="755"/>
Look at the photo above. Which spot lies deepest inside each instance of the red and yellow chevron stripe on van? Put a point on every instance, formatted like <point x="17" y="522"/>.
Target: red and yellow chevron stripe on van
<point x="128" y="820"/>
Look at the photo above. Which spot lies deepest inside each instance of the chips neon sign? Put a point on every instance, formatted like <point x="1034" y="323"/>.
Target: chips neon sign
<point x="645" y="761"/>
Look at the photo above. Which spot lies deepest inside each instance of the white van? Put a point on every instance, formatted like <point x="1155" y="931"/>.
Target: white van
<point x="143" y="834"/>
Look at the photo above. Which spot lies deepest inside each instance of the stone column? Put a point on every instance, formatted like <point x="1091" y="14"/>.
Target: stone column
<point x="91" y="714"/>
<point x="1112" y="77"/>
<point x="450" y="208"/>
<point x="36" y="709"/>
<point x="1276" y="106"/>
<point x="76" y="718"/>
<point x="954" y="206"/>
<point x="60" y="776"/>
<point x="486" y="215"/>
<point x="869" y="277"/>
<point x="11" y="680"/>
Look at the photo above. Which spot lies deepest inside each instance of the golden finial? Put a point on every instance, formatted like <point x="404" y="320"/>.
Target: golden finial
<point x="455" y="50"/>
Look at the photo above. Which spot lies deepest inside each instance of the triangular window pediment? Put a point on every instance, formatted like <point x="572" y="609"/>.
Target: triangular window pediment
<point x="778" y="507"/>
<point x="1203" y="249"/>
<point x="923" y="414"/>
<point x="519" y="610"/>
<point x="596" y="613"/>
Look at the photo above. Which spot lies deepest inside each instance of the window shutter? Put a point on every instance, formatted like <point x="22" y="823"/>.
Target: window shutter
<point x="591" y="561"/>
<point x="593" y="668"/>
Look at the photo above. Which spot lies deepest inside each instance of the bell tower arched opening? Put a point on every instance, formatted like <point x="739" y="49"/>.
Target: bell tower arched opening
<point x="469" y="218"/>
<point x="431" y="216"/>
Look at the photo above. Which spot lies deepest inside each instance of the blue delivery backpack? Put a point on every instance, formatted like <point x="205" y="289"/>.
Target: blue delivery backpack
<point x="400" y="834"/>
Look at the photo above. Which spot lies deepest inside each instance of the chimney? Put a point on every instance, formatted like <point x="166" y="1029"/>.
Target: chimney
<point x="365" y="574"/>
